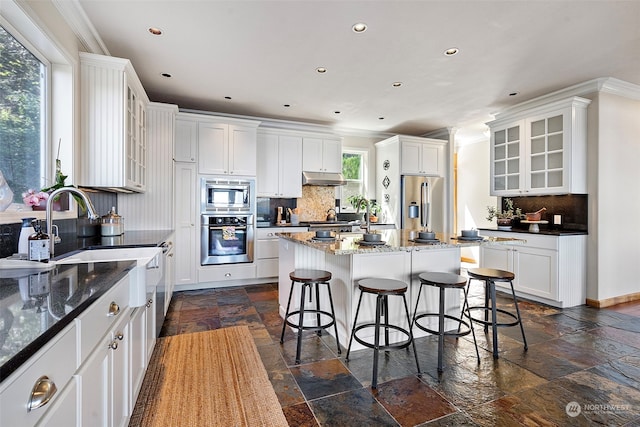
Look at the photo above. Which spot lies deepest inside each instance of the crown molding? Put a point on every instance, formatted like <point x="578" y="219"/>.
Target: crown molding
<point x="74" y="14"/>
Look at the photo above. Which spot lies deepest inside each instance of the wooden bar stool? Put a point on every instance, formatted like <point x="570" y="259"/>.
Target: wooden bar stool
<point x="310" y="279"/>
<point x="444" y="281"/>
<point x="489" y="276"/>
<point x="382" y="289"/>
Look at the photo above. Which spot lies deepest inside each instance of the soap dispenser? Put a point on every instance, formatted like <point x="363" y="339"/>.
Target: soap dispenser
<point x="26" y="231"/>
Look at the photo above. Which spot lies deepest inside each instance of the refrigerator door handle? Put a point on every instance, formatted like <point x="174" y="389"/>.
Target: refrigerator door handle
<point x="424" y="201"/>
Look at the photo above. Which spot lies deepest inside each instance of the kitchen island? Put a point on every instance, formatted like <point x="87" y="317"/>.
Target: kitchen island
<point x="400" y="258"/>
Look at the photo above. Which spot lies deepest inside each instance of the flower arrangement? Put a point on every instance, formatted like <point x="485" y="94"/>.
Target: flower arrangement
<point x="60" y="179"/>
<point x="508" y="214"/>
<point x="33" y="198"/>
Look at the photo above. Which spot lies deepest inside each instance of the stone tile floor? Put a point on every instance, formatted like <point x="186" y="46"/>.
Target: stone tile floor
<point x="582" y="367"/>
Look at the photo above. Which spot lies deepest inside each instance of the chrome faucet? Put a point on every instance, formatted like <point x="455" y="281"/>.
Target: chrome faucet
<point x="91" y="211"/>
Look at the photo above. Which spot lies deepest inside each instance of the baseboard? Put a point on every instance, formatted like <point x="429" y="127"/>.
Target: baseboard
<point x="613" y="301"/>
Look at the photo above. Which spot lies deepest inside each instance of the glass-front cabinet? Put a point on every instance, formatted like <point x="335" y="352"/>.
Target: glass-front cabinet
<point x="540" y="150"/>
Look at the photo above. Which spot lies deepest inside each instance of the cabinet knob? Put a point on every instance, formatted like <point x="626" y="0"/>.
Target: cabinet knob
<point x="113" y="309"/>
<point x="149" y="302"/>
<point x="227" y="275"/>
<point x="41" y="393"/>
<point x="119" y="336"/>
<point x="113" y="345"/>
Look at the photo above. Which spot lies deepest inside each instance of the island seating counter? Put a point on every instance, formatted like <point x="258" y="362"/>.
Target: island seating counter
<point x="400" y="258"/>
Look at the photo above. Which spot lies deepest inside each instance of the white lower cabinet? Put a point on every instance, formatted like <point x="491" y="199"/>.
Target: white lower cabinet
<point x="54" y="364"/>
<point x="137" y="353"/>
<point x="547" y="268"/>
<point x="267" y="249"/>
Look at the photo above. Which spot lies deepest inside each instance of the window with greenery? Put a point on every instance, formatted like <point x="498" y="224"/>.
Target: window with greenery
<point x="22" y="101"/>
<point x="354" y="171"/>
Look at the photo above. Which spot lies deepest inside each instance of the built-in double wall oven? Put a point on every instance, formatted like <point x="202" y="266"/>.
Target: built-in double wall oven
<point x="227" y="220"/>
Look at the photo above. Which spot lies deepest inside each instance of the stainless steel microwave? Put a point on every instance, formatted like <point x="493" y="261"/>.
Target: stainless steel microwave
<point x="220" y="195"/>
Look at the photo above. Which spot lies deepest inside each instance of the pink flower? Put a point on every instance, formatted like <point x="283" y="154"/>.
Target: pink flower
<point x="31" y="198"/>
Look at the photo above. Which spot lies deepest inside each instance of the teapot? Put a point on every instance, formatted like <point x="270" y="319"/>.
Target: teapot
<point x="331" y="214"/>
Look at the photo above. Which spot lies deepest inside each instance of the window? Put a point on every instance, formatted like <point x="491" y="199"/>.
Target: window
<point x="354" y="170"/>
<point x="22" y="106"/>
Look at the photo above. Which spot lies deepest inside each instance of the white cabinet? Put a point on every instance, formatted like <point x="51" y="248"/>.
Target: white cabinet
<point x="137" y="351"/>
<point x="540" y="150"/>
<point x="113" y="105"/>
<point x="186" y="239"/>
<point x="55" y="364"/>
<point x="267" y="256"/>
<point x="548" y="268"/>
<point x="279" y="165"/>
<point x="186" y="140"/>
<point x="321" y="155"/>
<point x="420" y="157"/>
<point x="227" y="149"/>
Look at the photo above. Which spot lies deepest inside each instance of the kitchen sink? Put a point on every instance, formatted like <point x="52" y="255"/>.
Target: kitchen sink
<point x="147" y="273"/>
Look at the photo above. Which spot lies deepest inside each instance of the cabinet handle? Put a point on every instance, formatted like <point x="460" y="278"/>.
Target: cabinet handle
<point x="119" y="336"/>
<point x="113" y="345"/>
<point x="149" y="302"/>
<point x="41" y="393"/>
<point x="113" y="309"/>
<point x="227" y="275"/>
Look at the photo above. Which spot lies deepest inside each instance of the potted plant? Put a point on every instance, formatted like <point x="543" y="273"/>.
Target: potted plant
<point x="358" y="202"/>
<point x="61" y="201"/>
<point x="374" y="209"/>
<point x="505" y="217"/>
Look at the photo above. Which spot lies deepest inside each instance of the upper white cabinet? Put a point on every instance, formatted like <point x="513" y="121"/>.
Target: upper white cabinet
<point x="421" y="157"/>
<point x="279" y="165"/>
<point x="227" y="147"/>
<point x="321" y="155"/>
<point x="113" y="105"/>
<point x="186" y="140"/>
<point x="541" y="150"/>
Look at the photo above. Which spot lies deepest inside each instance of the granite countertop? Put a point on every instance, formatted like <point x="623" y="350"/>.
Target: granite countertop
<point x="395" y="240"/>
<point x="543" y="231"/>
<point x="36" y="307"/>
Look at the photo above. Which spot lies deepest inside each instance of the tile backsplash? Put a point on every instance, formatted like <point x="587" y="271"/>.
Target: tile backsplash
<point x="572" y="209"/>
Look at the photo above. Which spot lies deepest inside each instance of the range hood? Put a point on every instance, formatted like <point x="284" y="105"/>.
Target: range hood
<point x="322" y="178"/>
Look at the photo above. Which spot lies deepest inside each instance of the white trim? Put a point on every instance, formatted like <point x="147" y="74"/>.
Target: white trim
<point x="74" y="14"/>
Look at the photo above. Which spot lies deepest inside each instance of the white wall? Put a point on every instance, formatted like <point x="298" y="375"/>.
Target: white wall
<point x="473" y="189"/>
<point x="615" y="203"/>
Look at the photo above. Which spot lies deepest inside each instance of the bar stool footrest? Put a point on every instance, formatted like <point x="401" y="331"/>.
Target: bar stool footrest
<point x="489" y="322"/>
<point x="396" y="345"/>
<point x="309" y="327"/>
<point x="452" y="333"/>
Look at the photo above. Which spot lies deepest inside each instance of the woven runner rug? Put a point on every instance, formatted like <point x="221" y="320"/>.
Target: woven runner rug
<point x="213" y="378"/>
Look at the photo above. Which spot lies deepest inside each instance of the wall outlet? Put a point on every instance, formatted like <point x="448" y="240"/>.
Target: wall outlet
<point x="557" y="219"/>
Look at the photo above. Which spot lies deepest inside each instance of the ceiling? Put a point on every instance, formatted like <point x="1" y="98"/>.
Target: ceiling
<point x="264" y="54"/>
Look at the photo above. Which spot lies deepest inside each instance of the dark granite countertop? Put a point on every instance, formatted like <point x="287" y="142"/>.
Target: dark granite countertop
<point x="36" y="307"/>
<point x="547" y="232"/>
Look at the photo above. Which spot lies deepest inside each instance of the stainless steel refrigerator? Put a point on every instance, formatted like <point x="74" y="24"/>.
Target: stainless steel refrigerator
<point x="422" y="203"/>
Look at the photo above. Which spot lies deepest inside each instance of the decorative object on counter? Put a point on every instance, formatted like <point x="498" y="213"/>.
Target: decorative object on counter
<point x="469" y="233"/>
<point x="39" y="244"/>
<point x="535" y="216"/>
<point x="6" y="195"/>
<point x="111" y="224"/>
<point x="60" y="201"/>
<point x="331" y="214"/>
<point x="533" y="225"/>
<point x="372" y="237"/>
<point x="374" y="208"/>
<point x="504" y="218"/>
<point x="323" y="234"/>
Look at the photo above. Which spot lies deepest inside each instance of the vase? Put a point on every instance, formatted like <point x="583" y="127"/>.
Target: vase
<point x="62" y="204"/>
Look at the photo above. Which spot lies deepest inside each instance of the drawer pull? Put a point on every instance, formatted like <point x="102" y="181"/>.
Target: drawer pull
<point x="227" y="275"/>
<point x="114" y="309"/>
<point x="120" y="336"/>
<point x="113" y="345"/>
<point x="41" y="393"/>
<point x="149" y="302"/>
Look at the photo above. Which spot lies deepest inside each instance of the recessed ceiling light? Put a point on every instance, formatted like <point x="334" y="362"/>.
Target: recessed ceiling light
<point x="360" y="27"/>
<point x="514" y="93"/>
<point x="451" y="51"/>
<point x="155" y="31"/>
<point x="287" y="105"/>
<point x="227" y="97"/>
<point x="167" y="75"/>
<point x="336" y="112"/>
<point x="321" y="70"/>
<point x="396" y="84"/>
<point x="380" y="118"/>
